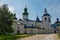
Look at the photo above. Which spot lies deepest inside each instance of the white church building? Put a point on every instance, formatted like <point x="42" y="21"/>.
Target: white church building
<point x="25" y="25"/>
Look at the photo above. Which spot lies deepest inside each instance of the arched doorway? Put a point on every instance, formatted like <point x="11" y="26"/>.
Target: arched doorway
<point x="54" y="31"/>
<point x="18" y="31"/>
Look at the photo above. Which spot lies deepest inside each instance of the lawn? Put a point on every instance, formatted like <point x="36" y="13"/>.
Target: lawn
<point x="14" y="36"/>
<point x="59" y="35"/>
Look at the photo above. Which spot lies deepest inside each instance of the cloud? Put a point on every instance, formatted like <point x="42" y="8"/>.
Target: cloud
<point x="1" y="3"/>
<point x="11" y="8"/>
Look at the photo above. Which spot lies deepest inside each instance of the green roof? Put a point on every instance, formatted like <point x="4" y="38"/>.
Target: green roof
<point x="46" y="14"/>
<point x="25" y="13"/>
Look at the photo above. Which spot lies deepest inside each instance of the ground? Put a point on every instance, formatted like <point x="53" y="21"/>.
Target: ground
<point x="41" y="37"/>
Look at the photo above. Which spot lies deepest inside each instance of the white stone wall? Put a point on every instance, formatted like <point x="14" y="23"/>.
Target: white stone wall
<point x="17" y="26"/>
<point x="46" y="24"/>
<point x="28" y="23"/>
<point x="14" y="26"/>
<point x="35" y="30"/>
<point x="25" y="17"/>
<point x="38" y="24"/>
<point x="28" y="30"/>
<point x="20" y="28"/>
<point x="32" y="30"/>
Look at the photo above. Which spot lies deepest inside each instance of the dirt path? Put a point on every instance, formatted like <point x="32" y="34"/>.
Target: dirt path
<point x="42" y="37"/>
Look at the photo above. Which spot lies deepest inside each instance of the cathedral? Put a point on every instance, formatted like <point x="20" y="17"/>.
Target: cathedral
<point x="25" y="25"/>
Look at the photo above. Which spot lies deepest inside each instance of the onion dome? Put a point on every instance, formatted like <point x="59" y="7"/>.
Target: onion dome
<point x="25" y="11"/>
<point x="57" y="20"/>
<point x="46" y="14"/>
<point x="15" y="16"/>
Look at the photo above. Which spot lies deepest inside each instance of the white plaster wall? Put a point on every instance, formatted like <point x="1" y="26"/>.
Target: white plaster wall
<point x="35" y="30"/>
<point x="29" y="30"/>
<point x="39" y="30"/>
<point x="38" y="24"/>
<point x="21" y="28"/>
<point x="46" y="24"/>
<point x="32" y="30"/>
<point x="14" y="26"/>
<point x="25" y="17"/>
<point x="28" y="23"/>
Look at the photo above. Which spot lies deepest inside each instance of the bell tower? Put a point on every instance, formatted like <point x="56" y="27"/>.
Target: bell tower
<point x="25" y="14"/>
<point x="46" y="19"/>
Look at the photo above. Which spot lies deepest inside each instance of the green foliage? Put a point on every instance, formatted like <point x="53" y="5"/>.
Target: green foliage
<point x="6" y="20"/>
<point x="14" y="36"/>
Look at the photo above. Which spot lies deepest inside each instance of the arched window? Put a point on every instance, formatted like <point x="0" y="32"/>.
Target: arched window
<point x="49" y="20"/>
<point x="18" y="31"/>
<point x="45" y="19"/>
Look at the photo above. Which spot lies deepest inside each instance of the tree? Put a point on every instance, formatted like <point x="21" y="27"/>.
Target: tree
<point x="6" y="20"/>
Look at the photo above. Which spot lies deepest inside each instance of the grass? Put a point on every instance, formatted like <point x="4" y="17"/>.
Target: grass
<point x="14" y="36"/>
<point x="59" y="35"/>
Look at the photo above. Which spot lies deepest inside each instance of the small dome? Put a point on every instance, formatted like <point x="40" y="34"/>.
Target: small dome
<point x="57" y="21"/>
<point x="46" y="14"/>
<point x="25" y="11"/>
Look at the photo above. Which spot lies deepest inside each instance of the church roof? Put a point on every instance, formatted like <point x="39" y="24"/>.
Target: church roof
<point x="33" y="20"/>
<point x="55" y="25"/>
<point x="15" y="16"/>
<point x="37" y="19"/>
<point x="45" y="13"/>
<point x="25" y="11"/>
<point x="57" y="21"/>
<point x="30" y="26"/>
<point x="30" y="20"/>
<point x="40" y="28"/>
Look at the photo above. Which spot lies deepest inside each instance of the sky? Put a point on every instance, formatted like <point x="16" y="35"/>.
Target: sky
<point x="35" y="7"/>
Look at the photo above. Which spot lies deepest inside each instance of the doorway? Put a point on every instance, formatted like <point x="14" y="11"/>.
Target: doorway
<point x="18" y="31"/>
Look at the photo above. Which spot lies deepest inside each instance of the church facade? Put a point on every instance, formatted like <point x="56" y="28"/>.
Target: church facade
<point x="25" y="25"/>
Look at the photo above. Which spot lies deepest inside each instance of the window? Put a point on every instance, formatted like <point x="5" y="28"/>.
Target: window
<point x="49" y="20"/>
<point x="18" y="31"/>
<point x="18" y="27"/>
<point x="45" y="19"/>
<point x="31" y="31"/>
